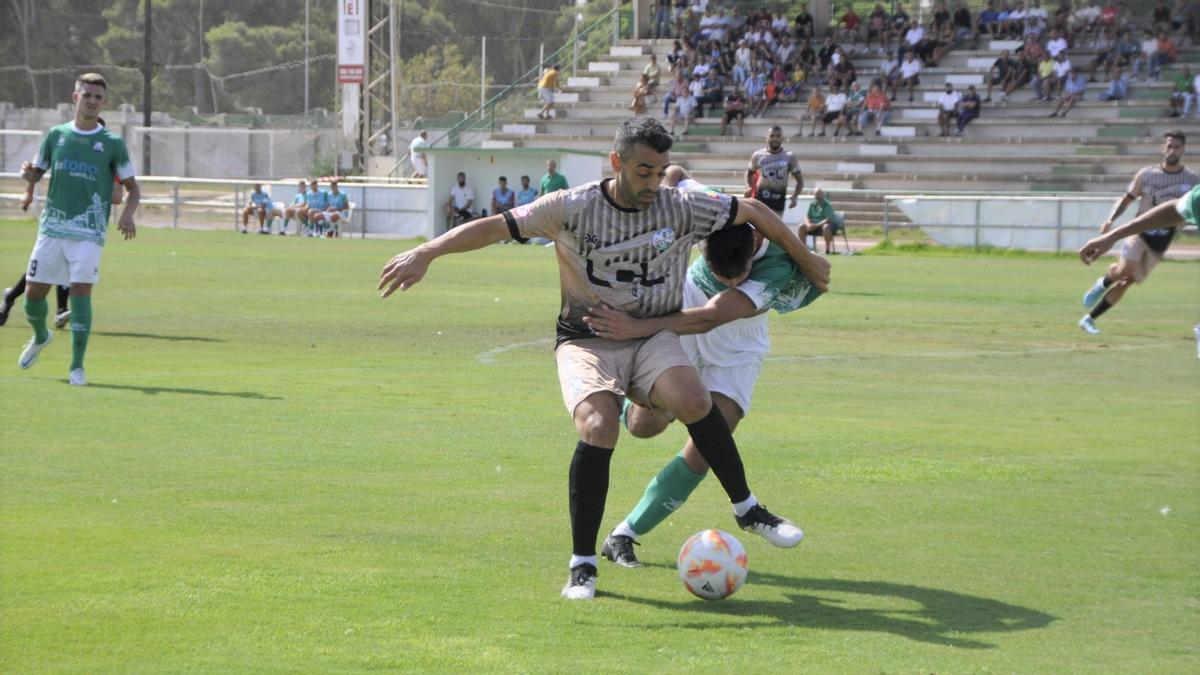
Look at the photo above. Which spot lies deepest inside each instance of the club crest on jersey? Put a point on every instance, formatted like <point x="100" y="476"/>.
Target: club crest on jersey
<point x="663" y="239"/>
<point x="98" y="146"/>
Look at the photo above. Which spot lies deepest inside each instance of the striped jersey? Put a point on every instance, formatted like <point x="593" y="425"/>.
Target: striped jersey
<point x="1155" y="186"/>
<point x="631" y="260"/>
<point x="774" y="169"/>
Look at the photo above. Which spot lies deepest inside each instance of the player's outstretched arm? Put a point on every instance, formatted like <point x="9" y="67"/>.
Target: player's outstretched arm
<point x="407" y="268"/>
<point x="133" y="197"/>
<point x="726" y="306"/>
<point x="1163" y="216"/>
<point x="813" y="266"/>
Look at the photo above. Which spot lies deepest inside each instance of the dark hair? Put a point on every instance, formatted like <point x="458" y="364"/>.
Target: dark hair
<point x="524" y="177"/>
<point x="1176" y="134"/>
<point x="729" y="249"/>
<point x="503" y="179"/>
<point x="642" y="131"/>
<point x="91" y="78"/>
<point x="460" y="173"/>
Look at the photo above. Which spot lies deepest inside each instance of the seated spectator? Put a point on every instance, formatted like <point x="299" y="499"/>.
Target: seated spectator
<point x="1043" y="75"/>
<point x="741" y="63"/>
<point x="898" y="26"/>
<point x="1016" y="21"/>
<point x="806" y="58"/>
<point x="337" y="211"/>
<point x="527" y="194"/>
<point x="1001" y="73"/>
<point x="803" y="25"/>
<point x="683" y="110"/>
<point x="889" y="73"/>
<point x="835" y="103"/>
<point x="941" y="17"/>
<point x="315" y="201"/>
<point x="1149" y="53"/>
<point x="1035" y="20"/>
<point x="849" y="27"/>
<point x="653" y="73"/>
<point x="711" y="94"/>
<point x="1118" y="86"/>
<point x="814" y="112"/>
<point x="756" y="93"/>
<point x="677" y="59"/>
<point x="1085" y="20"/>
<point x="298" y="209"/>
<point x="963" y="26"/>
<point x="1186" y="19"/>
<point x="1056" y="44"/>
<point x="877" y="108"/>
<point x="989" y="21"/>
<point x="1023" y="73"/>
<point x="1074" y="86"/>
<point x="458" y="206"/>
<point x="260" y="204"/>
<point x="679" y="90"/>
<point x="825" y="55"/>
<point x="948" y="104"/>
<point x="968" y="109"/>
<point x="785" y="51"/>
<point x="856" y="98"/>
<point x="790" y="93"/>
<point x="1052" y="86"/>
<point x="640" y="91"/>
<point x="1165" y="55"/>
<point x="910" y="75"/>
<point x="1106" y="60"/>
<point x="915" y="42"/>
<point x="820" y="219"/>
<point x="770" y="95"/>
<point x="1161" y="17"/>
<point x="841" y="70"/>
<point x="503" y="198"/>
<point x="942" y="42"/>
<point x="878" y="28"/>
<point x="735" y="109"/>
<point x="1183" y="94"/>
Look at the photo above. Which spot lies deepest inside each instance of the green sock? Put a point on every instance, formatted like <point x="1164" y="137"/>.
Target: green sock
<point x="35" y="314"/>
<point x="665" y="493"/>
<point x="81" y="328"/>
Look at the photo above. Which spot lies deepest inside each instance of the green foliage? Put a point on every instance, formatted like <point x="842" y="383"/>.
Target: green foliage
<point x="275" y="470"/>
<point x="439" y="81"/>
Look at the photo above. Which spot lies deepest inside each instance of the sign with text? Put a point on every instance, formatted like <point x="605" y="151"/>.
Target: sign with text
<point x="352" y="41"/>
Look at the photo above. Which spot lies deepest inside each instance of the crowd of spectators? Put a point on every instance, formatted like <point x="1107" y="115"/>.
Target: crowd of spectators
<point x="746" y="61"/>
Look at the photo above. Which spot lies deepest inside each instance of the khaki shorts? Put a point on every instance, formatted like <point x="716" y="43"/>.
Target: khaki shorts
<point x="625" y="367"/>
<point x="1139" y="258"/>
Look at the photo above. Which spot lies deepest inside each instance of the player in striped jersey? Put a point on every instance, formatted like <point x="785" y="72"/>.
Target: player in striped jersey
<point x="1163" y="182"/>
<point x="723" y="328"/>
<point x="624" y="242"/>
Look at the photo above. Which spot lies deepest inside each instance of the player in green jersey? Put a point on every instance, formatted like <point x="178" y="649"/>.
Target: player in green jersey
<point x="723" y="328"/>
<point x="83" y="158"/>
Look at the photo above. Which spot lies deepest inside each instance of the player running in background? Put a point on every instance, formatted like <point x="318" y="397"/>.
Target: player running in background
<point x="1163" y="182"/>
<point x="74" y="223"/>
<point x="315" y="201"/>
<point x="260" y="205"/>
<point x="773" y="165"/>
<point x="723" y="329"/>
<point x="624" y="242"/>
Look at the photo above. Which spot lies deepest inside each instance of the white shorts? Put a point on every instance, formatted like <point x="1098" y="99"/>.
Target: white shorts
<point x="546" y="94"/>
<point x="1140" y="258"/>
<point x="736" y="384"/>
<point x="64" y="261"/>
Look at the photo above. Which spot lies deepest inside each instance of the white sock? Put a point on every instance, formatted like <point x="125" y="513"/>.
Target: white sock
<point x="577" y="560"/>
<point x="625" y="530"/>
<point x="741" y="508"/>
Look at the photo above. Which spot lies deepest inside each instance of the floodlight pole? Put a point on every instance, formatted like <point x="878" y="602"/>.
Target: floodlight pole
<point x="147" y="54"/>
<point x="306" y="59"/>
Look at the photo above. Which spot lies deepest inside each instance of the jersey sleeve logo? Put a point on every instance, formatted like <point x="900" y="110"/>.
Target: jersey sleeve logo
<point x="663" y="239"/>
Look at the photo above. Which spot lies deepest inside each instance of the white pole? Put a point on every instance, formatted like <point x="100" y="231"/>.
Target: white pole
<point x="483" y="74"/>
<point x="306" y="59"/>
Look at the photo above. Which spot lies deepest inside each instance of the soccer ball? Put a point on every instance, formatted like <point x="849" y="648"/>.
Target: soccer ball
<point x="712" y="564"/>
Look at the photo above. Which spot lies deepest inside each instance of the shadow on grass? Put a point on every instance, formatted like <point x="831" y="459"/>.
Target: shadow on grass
<point x="922" y="614"/>
<point x="152" y="336"/>
<point x="154" y="391"/>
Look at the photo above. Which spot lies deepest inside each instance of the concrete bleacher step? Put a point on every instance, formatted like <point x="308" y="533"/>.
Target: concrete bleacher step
<point x="1071" y="170"/>
<point x="1127" y="113"/>
<point x="1120" y="131"/>
<point x="627" y="50"/>
<point x="1149" y="94"/>
<point x="1097" y="150"/>
<point x="532" y="113"/>
<point x="520" y="129"/>
<point x="603" y="66"/>
<point x="583" y="82"/>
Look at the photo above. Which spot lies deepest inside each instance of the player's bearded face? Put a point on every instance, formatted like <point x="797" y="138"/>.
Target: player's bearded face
<point x="1172" y="152"/>
<point x="638" y="175"/>
<point x="774" y="140"/>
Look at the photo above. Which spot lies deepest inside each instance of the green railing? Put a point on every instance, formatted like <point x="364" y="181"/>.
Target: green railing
<point x="587" y="43"/>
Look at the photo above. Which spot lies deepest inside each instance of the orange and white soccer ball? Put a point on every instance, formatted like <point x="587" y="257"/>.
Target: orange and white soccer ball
<point x="712" y="564"/>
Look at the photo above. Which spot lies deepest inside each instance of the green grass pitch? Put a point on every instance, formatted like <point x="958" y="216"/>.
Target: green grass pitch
<point x="273" y="469"/>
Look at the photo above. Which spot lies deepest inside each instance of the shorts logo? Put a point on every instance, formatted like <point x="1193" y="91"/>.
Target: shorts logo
<point x="663" y="239"/>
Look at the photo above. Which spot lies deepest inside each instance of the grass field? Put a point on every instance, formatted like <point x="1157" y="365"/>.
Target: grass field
<point x="272" y="469"/>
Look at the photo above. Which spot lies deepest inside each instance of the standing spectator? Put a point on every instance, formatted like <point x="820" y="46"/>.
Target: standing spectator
<point x="1118" y="86"/>
<point x="910" y="76"/>
<point x="527" y="194"/>
<point x="877" y="108"/>
<point x="815" y="111"/>
<point x="547" y="86"/>
<point x="553" y="181"/>
<point x="416" y="154"/>
<point x="662" y="19"/>
<point x="735" y="109"/>
<point x="458" y="206"/>
<point x="948" y="104"/>
<point x="803" y="25"/>
<point x="835" y="103"/>
<point x="503" y="198"/>
<point x="968" y="109"/>
<point x="1074" y="85"/>
<point x="1001" y="73"/>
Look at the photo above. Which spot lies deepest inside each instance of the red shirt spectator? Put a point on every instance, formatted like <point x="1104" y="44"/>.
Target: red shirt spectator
<point x="850" y="20"/>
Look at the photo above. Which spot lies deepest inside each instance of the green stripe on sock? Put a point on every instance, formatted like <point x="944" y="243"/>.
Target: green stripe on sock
<point x="81" y="328"/>
<point x="665" y="493"/>
<point x="35" y="314"/>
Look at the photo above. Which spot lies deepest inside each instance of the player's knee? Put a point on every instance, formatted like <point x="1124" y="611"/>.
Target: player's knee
<point x="645" y="423"/>
<point x="693" y="406"/>
<point x="597" y="425"/>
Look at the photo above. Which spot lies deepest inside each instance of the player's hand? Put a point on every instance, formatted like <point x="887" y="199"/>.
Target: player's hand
<point x="816" y="269"/>
<point x="1106" y="226"/>
<point x="793" y="205"/>
<point x="748" y="193"/>
<point x="1094" y="248"/>
<point x="26" y="200"/>
<point x="402" y="271"/>
<point x="29" y="172"/>
<point x="614" y="324"/>
<point x="126" y="226"/>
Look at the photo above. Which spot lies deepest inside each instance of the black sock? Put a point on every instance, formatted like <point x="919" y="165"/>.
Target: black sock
<point x="587" y="489"/>
<point x="713" y="439"/>
<point x="1100" y="309"/>
<point x="16" y="291"/>
<point x="60" y="297"/>
<point x="1107" y="282"/>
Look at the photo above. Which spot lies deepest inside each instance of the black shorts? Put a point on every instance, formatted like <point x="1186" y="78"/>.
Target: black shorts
<point x="831" y="116"/>
<point x="731" y="115"/>
<point x="775" y="202"/>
